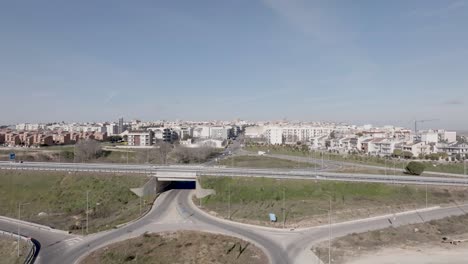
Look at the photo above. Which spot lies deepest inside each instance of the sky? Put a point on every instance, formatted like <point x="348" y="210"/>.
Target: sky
<point x="379" y="62"/>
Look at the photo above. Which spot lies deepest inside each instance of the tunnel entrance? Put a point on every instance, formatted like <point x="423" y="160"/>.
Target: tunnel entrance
<point x="180" y="185"/>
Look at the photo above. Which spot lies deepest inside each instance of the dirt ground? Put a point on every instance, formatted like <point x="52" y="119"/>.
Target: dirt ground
<point x="418" y="243"/>
<point x="8" y="250"/>
<point x="180" y="247"/>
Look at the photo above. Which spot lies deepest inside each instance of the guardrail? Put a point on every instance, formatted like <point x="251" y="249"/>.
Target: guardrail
<point x="34" y="245"/>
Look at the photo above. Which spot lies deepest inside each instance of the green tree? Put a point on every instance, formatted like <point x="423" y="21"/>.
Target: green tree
<point x="415" y="168"/>
<point x="397" y="153"/>
<point x="407" y="154"/>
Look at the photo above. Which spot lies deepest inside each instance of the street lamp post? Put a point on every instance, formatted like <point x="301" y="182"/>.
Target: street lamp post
<point x="464" y="166"/>
<point x="284" y="208"/>
<point x="329" y="227"/>
<point x="87" y="211"/>
<point x="19" y="218"/>
<point x="329" y="231"/>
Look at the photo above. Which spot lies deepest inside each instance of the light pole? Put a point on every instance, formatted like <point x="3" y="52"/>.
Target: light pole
<point x="284" y="208"/>
<point x="229" y="200"/>
<point x="87" y="211"/>
<point x="385" y="166"/>
<point x="19" y="218"/>
<point x="329" y="232"/>
<point x="329" y="227"/>
<point x="426" y="195"/>
<point x="464" y="166"/>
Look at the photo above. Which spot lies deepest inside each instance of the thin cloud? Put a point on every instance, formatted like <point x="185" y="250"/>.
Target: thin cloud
<point x="454" y="102"/>
<point x="442" y="11"/>
<point x="313" y="20"/>
<point x="110" y="96"/>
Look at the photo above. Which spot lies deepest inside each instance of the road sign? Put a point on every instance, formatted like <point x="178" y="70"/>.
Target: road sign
<point x="12" y="156"/>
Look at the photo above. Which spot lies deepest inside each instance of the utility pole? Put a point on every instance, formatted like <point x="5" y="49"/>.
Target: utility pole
<point x="426" y="195"/>
<point x="140" y="205"/>
<point x="464" y="165"/>
<point x="19" y="219"/>
<point x="322" y="158"/>
<point x="329" y="232"/>
<point x="87" y="211"/>
<point x="229" y="201"/>
<point x="284" y="208"/>
<point x="200" y="187"/>
<point x="385" y="166"/>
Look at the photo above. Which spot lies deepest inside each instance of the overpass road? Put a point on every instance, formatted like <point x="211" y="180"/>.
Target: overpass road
<point x="174" y="210"/>
<point x="235" y="172"/>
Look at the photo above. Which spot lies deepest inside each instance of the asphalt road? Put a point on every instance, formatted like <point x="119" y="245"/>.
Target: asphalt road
<point x="174" y="211"/>
<point x="222" y="171"/>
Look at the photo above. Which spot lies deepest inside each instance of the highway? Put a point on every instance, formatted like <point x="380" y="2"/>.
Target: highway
<point x="235" y="172"/>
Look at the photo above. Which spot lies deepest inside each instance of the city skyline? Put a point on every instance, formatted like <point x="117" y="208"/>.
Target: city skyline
<point x="256" y="60"/>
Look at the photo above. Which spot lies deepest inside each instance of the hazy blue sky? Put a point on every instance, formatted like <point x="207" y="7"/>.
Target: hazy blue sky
<point x="360" y="61"/>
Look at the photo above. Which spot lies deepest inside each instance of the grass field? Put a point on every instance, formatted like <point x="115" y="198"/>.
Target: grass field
<point x="428" y="234"/>
<point x="179" y="248"/>
<point x="263" y="162"/>
<point x="306" y="202"/>
<point x="457" y="168"/>
<point x="62" y="197"/>
<point x="8" y="250"/>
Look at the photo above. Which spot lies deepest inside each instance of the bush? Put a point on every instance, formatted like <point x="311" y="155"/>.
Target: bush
<point x="415" y="168"/>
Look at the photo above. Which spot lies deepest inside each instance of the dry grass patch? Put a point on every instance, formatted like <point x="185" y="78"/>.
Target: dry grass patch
<point x="179" y="247"/>
<point x="414" y="236"/>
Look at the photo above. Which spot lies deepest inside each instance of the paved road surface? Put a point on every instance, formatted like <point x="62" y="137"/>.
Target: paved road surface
<point x="222" y="171"/>
<point x="175" y="211"/>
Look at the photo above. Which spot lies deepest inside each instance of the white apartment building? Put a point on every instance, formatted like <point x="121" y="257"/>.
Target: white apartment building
<point x="29" y="127"/>
<point x="221" y="132"/>
<point x="140" y="138"/>
<point x="416" y="148"/>
<point x="201" y="132"/>
<point x="112" y="129"/>
<point x="429" y="137"/>
<point x="274" y="136"/>
<point x="294" y="134"/>
<point x="304" y="134"/>
<point x="448" y="136"/>
<point x="255" y="131"/>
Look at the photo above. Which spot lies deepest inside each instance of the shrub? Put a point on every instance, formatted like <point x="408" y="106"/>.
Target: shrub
<point x="415" y="168"/>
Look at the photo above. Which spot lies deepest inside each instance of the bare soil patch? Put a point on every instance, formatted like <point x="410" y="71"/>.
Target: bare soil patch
<point x="179" y="247"/>
<point x="406" y="243"/>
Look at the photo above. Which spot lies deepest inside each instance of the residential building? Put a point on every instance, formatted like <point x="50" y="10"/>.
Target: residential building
<point x="429" y="137"/>
<point x="140" y="138"/>
<point x="201" y="132"/>
<point x="448" y="136"/>
<point x="62" y="138"/>
<point x="222" y="133"/>
<point x="274" y="136"/>
<point x="417" y="148"/>
<point x="112" y="129"/>
<point x="454" y="149"/>
<point x="120" y="128"/>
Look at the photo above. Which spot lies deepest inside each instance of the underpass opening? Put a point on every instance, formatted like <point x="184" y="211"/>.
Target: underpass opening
<point x="181" y="185"/>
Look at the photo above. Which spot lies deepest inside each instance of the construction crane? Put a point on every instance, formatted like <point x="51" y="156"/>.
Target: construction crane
<point x="421" y="121"/>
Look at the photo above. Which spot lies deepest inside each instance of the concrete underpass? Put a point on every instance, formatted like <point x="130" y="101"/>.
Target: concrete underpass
<point x="164" y="181"/>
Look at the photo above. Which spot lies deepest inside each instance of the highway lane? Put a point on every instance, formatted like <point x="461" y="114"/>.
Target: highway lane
<point x="241" y="172"/>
